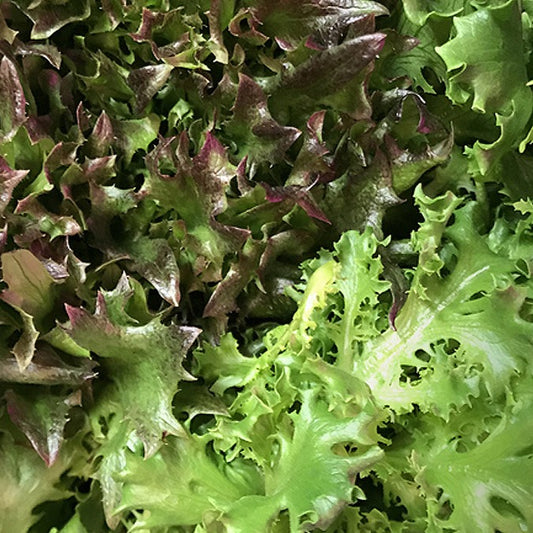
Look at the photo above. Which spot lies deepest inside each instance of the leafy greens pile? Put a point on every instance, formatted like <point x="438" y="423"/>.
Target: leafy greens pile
<point x="266" y="266"/>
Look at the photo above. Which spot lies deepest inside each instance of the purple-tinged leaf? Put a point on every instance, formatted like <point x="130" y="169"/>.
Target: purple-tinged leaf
<point x="62" y="154"/>
<point x="164" y="155"/>
<point x="58" y="338"/>
<point x="82" y="118"/>
<point x="407" y="167"/>
<point x="353" y="99"/>
<point x="130" y="136"/>
<point x="322" y="21"/>
<point x="394" y="103"/>
<point x="399" y="286"/>
<point x="213" y="172"/>
<point x="146" y="82"/>
<point x="57" y="92"/>
<point x="181" y="46"/>
<point x="179" y="53"/>
<point x="46" y="368"/>
<point x="183" y="53"/>
<point x="114" y="10"/>
<point x="144" y="362"/>
<point x="52" y="258"/>
<point x="223" y="300"/>
<point x="42" y="418"/>
<point x="126" y="303"/>
<point x="155" y="260"/>
<point x="12" y="100"/>
<point x="219" y="15"/>
<point x="30" y="286"/>
<point x="48" y="17"/>
<point x="47" y="51"/>
<point x="149" y="19"/>
<point x="291" y="243"/>
<point x="104" y="81"/>
<point x="197" y="192"/>
<point x="243" y="183"/>
<point x="38" y="128"/>
<point x="151" y="257"/>
<point x="100" y="169"/>
<point x="356" y="201"/>
<point x="47" y="222"/>
<point x="403" y="59"/>
<point x="27" y="483"/>
<point x="234" y="236"/>
<point x="24" y="348"/>
<point x="101" y="137"/>
<point x="257" y="134"/>
<point x="299" y="195"/>
<point x="106" y="203"/>
<point x="328" y="71"/>
<point x="245" y="25"/>
<point x="349" y="27"/>
<point x="9" y="179"/>
<point x="315" y="125"/>
<point x="311" y="164"/>
<point x="50" y="81"/>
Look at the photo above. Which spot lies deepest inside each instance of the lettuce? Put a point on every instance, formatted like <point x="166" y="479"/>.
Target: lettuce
<point x="266" y="266"/>
<point x="338" y="396"/>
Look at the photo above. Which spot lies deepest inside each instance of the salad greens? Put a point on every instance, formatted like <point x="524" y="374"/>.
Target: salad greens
<point x="266" y="266"/>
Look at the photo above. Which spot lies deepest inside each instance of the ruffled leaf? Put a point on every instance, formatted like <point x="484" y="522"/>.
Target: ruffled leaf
<point x="143" y="361"/>
<point x="488" y="485"/>
<point x="456" y="307"/>
<point x="306" y="476"/>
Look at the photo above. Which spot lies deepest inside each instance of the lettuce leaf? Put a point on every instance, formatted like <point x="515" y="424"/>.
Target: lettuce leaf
<point x="265" y="266"/>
